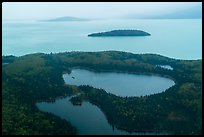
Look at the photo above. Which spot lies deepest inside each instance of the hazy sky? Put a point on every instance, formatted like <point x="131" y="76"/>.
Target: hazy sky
<point x="47" y="10"/>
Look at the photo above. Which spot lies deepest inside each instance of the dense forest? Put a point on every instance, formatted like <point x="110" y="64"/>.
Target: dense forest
<point x="37" y="77"/>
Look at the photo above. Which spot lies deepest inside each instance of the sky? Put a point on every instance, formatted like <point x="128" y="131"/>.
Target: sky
<point x="92" y="10"/>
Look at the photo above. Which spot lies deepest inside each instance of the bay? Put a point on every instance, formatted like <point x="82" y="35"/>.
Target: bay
<point x="175" y="38"/>
<point x="87" y="118"/>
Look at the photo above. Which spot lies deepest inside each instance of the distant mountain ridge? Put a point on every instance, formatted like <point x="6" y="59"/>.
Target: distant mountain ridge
<point x="191" y="13"/>
<point x="66" y="18"/>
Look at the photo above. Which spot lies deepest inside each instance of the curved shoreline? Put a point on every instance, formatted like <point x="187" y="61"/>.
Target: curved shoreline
<point x="183" y="75"/>
<point x="125" y="72"/>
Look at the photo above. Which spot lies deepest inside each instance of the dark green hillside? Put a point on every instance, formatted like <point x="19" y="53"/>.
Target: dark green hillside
<point x="38" y="77"/>
<point x="25" y="81"/>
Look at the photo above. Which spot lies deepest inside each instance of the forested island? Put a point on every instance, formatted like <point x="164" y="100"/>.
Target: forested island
<point x="120" y="33"/>
<point x="34" y="78"/>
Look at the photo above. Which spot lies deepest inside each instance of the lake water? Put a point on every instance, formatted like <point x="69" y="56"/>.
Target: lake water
<point x="176" y="38"/>
<point x="121" y="84"/>
<point x="87" y="118"/>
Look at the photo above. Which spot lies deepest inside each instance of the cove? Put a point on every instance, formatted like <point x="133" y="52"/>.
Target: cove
<point x="87" y="118"/>
<point x="121" y="84"/>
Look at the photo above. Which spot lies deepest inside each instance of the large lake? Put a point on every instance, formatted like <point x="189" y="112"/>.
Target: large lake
<point x="120" y="84"/>
<point x="88" y="118"/>
<point x="176" y="38"/>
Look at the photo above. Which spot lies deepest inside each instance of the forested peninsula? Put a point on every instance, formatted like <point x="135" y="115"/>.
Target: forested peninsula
<point x="34" y="78"/>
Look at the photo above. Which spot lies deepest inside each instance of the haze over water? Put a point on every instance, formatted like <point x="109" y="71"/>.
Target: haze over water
<point x="175" y="27"/>
<point x="180" y="39"/>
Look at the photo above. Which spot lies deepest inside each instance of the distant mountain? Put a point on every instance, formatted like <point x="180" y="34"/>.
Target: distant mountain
<point x="191" y="13"/>
<point x="66" y="18"/>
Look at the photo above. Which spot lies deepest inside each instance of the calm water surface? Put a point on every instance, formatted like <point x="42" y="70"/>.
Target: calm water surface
<point x="176" y="38"/>
<point x="121" y="84"/>
<point x="88" y="118"/>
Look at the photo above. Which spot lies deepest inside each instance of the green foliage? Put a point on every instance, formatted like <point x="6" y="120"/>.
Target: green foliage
<point x="8" y="59"/>
<point x="26" y="81"/>
<point x="38" y="77"/>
